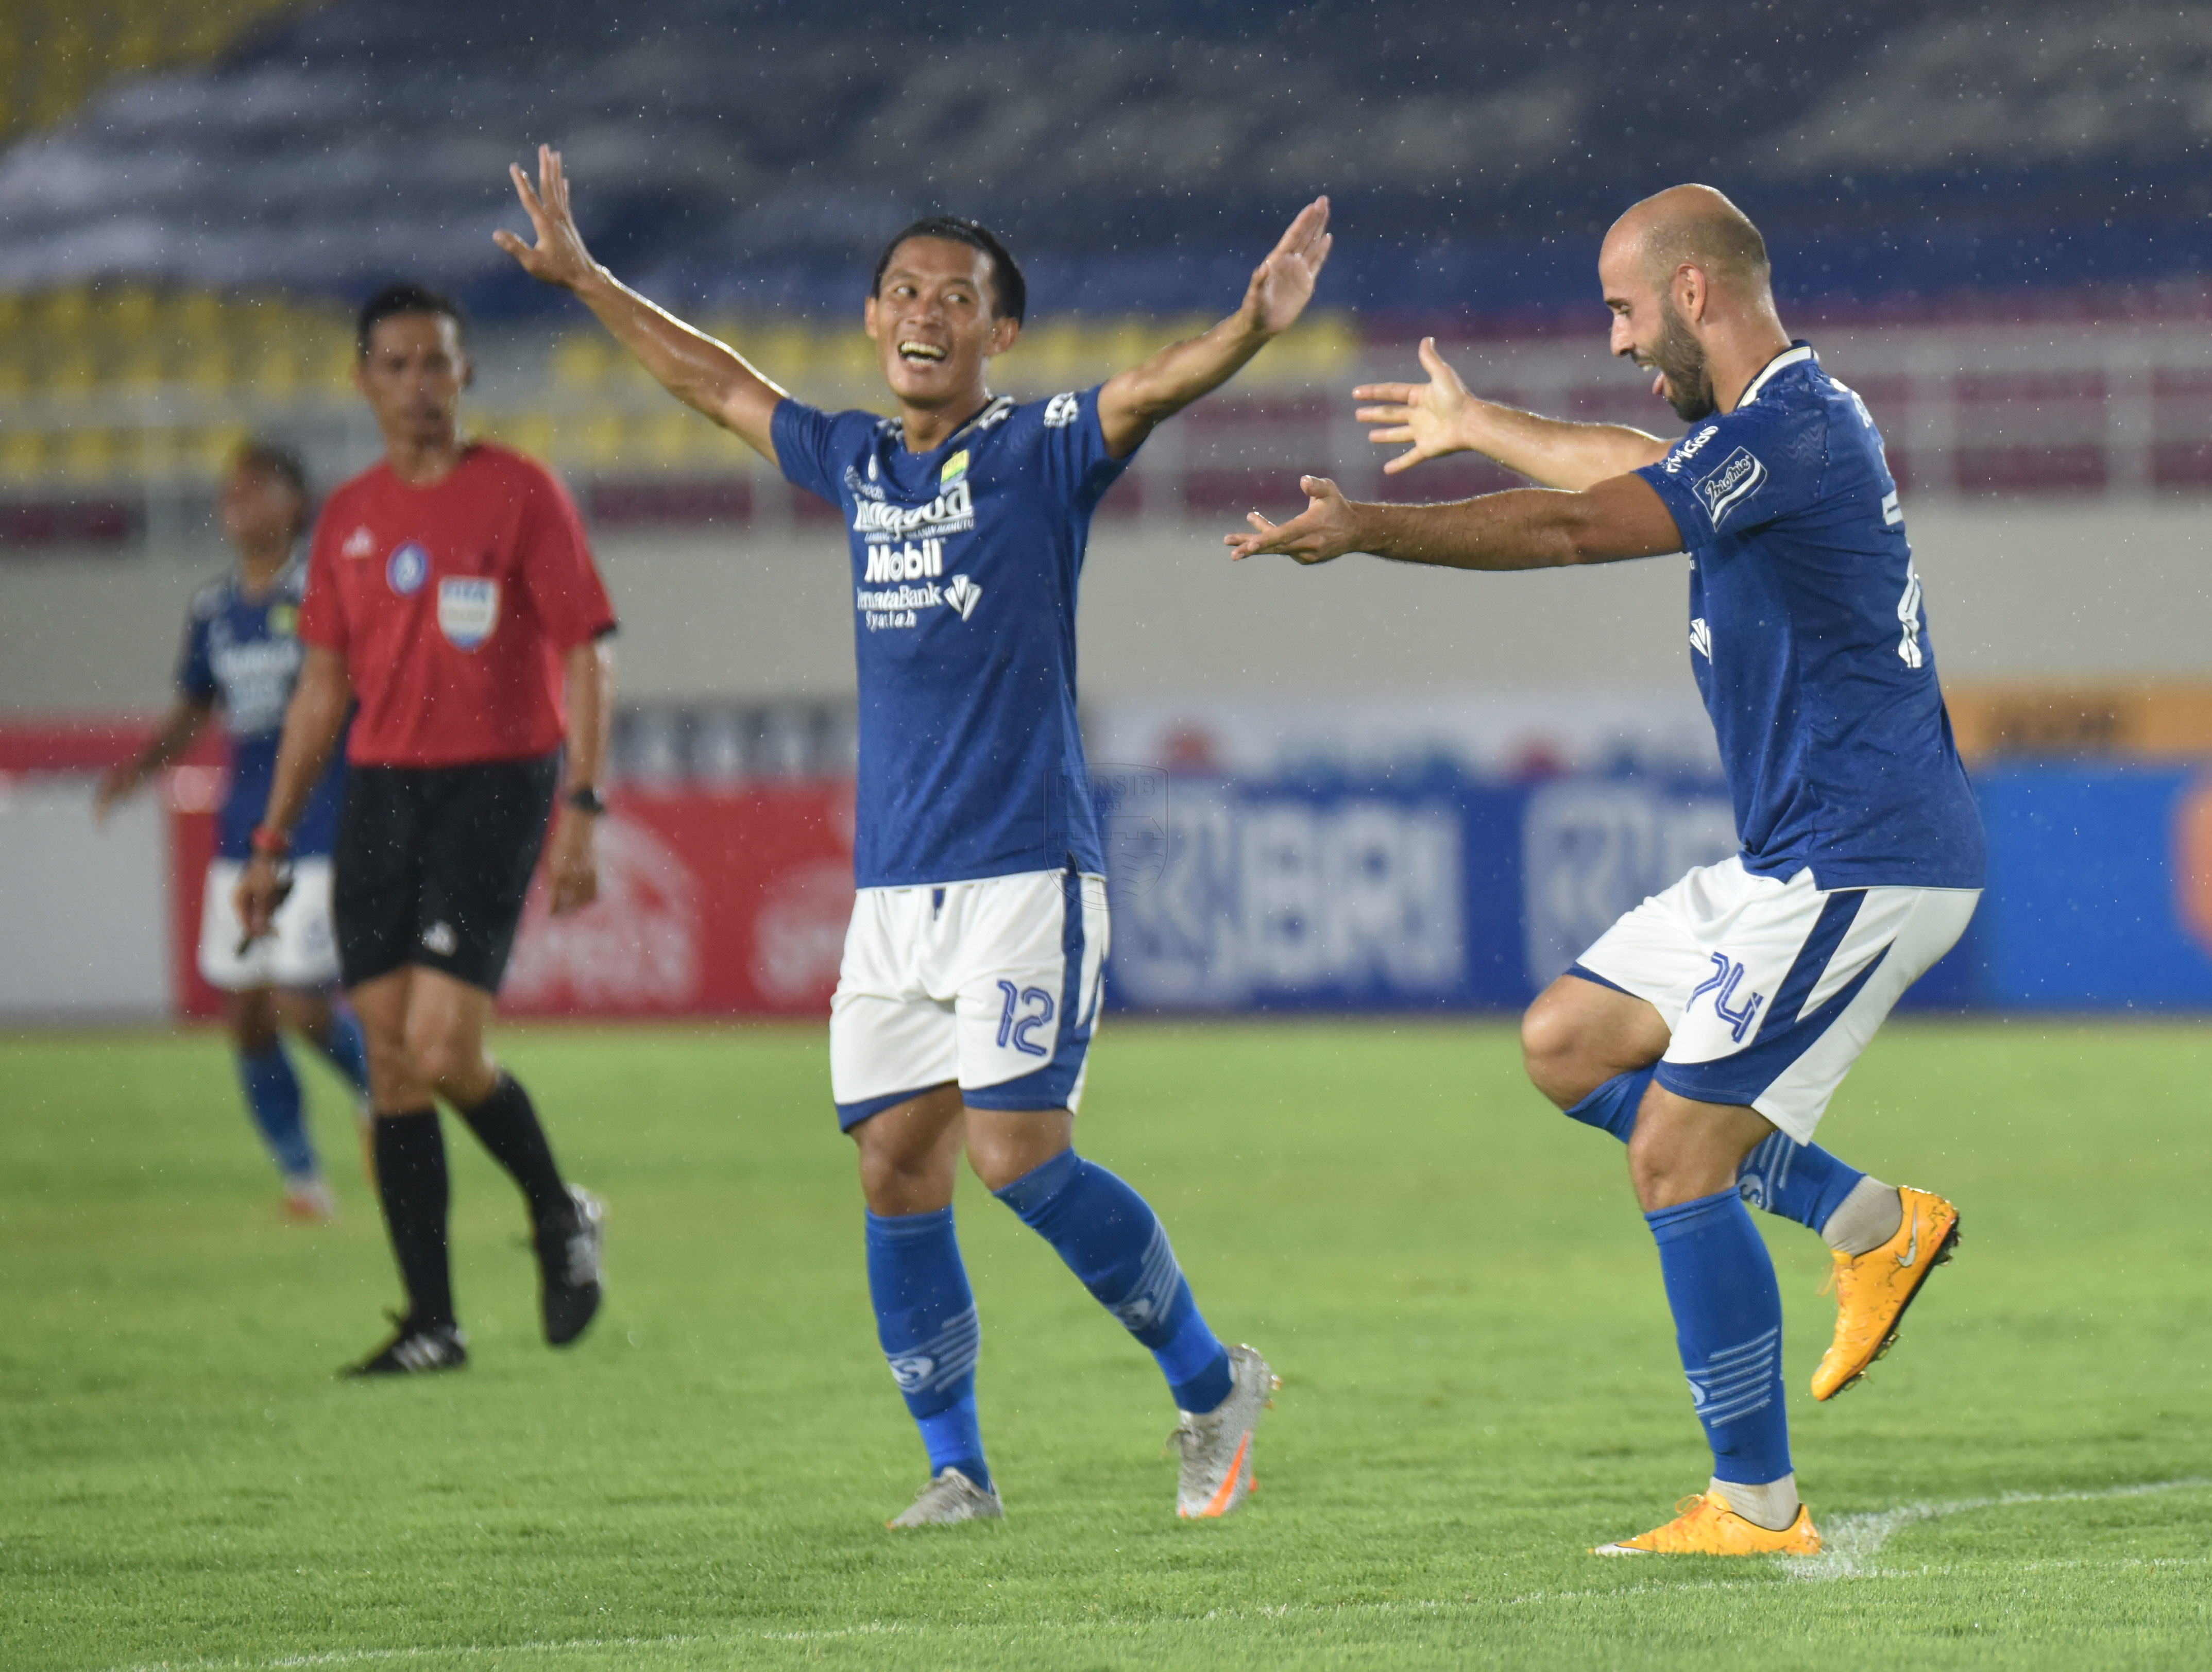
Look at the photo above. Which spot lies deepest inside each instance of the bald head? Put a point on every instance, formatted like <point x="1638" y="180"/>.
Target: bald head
<point x="1697" y="226"/>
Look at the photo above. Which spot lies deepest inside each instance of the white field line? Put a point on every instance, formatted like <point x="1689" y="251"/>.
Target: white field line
<point x="1849" y="1543"/>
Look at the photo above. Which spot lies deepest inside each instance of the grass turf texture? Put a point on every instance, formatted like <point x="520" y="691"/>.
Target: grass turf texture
<point x="1453" y="1281"/>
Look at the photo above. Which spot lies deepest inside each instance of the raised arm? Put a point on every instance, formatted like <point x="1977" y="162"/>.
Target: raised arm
<point x="698" y="371"/>
<point x="1154" y="390"/>
<point x="1440" y="416"/>
<point x="1523" y="528"/>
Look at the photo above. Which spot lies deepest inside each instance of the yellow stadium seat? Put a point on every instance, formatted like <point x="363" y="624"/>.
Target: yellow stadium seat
<point x="579" y="359"/>
<point x="22" y="456"/>
<point x="89" y="454"/>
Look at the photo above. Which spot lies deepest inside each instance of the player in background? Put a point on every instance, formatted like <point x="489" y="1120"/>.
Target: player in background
<point x="240" y="655"/>
<point x="450" y="590"/>
<point x="969" y="990"/>
<point x="1710" y="1026"/>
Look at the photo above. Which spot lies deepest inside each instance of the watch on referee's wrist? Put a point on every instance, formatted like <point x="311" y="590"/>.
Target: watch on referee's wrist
<point x="586" y="798"/>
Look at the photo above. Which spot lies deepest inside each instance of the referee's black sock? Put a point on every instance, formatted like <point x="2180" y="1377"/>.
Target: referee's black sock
<point x="508" y="1126"/>
<point x="411" y="1177"/>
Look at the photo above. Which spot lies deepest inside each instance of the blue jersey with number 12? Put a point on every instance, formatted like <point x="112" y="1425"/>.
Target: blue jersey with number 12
<point x="1810" y="644"/>
<point x="965" y="561"/>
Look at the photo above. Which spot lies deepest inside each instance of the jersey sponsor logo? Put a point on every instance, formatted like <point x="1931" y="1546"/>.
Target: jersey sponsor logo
<point x="1685" y="450"/>
<point x="963" y="595"/>
<point x="1739" y="476"/>
<point x="862" y="487"/>
<point x="1062" y="410"/>
<point x="888" y="563"/>
<point x="441" y="939"/>
<point x="359" y="544"/>
<point x="1701" y="638"/>
<point x="955" y="468"/>
<point x="407" y="569"/>
<point x="952" y="512"/>
<point x="468" y="611"/>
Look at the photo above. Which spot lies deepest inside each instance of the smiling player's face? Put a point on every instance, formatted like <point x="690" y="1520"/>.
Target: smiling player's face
<point x="1649" y="330"/>
<point x="934" y="325"/>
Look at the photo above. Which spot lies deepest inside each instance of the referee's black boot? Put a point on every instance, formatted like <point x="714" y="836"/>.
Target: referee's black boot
<point x="414" y="1351"/>
<point x="568" y="1265"/>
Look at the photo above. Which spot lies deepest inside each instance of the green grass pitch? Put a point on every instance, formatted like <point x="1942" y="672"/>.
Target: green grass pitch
<point x="1480" y="1378"/>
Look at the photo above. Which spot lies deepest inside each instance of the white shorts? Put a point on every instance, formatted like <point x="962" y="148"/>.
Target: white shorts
<point x="993" y="984"/>
<point x="1772" y="989"/>
<point x="302" y="952"/>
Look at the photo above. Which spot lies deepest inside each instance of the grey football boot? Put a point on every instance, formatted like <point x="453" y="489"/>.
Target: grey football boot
<point x="1217" y="1446"/>
<point x="950" y="1497"/>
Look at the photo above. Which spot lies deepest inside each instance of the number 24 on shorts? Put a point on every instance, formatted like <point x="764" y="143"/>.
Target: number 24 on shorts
<point x="1015" y="1026"/>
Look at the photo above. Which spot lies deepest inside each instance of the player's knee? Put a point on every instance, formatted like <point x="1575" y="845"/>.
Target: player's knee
<point x="1553" y="1047"/>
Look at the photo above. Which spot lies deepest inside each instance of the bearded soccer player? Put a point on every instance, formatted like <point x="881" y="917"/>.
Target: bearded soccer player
<point x="450" y="592"/>
<point x="970" y="990"/>
<point x="1710" y="1026"/>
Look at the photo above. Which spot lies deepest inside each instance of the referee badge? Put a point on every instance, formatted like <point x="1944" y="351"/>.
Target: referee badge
<point x="468" y="610"/>
<point x="407" y="569"/>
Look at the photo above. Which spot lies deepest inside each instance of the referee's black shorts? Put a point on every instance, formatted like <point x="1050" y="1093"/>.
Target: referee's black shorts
<point x="432" y="865"/>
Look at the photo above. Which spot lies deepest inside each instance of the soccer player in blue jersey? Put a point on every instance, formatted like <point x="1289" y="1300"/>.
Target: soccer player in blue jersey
<point x="970" y="990"/>
<point x="240" y="655"/>
<point x="1710" y="1026"/>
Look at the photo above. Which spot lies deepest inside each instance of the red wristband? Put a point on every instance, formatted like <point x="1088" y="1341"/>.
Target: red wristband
<point x="270" y="842"/>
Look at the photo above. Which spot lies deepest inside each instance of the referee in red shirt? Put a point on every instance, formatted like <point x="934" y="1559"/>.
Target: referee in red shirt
<point x="451" y="595"/>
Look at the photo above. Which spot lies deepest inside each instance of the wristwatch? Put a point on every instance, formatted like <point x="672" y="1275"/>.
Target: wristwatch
<point x="585" y="798"/>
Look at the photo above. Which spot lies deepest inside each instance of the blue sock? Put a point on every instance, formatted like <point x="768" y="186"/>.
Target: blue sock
<point x="926" y="1320"/>
<point x="347" y="1050"/>
<point x="1727" y="1326"/>
<point x="1611" y="1107"/>
<point x="1112" y="1240"/>
<point x="272" y="1096"/>
<point x="1800" y="1181"/>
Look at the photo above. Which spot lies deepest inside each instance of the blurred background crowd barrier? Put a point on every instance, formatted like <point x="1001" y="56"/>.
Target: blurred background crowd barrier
<point x="1354" y="787"/>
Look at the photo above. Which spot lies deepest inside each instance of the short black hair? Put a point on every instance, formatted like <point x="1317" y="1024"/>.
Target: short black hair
<point x="1009" y="293"/>
<point x="404" y="296"/>
<point x="260" y="453"/>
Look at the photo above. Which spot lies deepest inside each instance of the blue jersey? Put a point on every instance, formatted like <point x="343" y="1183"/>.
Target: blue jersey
<point x="1810" y="644"/>
<point x="965" y="561"/>
<point x="242" y="653"/>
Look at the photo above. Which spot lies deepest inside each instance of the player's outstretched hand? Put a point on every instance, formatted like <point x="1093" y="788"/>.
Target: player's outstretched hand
<point x="1283" y="284"/>
<point x="1426" y="417"/>
<point x="572" y="863"/>
<point x="559" y="257"/>
<point x="1327" y="528"/>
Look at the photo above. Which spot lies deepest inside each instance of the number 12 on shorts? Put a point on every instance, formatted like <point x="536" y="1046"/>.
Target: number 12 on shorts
<point x="1026" y="1010"/>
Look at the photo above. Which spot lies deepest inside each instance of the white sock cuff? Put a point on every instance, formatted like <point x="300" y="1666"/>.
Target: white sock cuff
<point x="1866" y="1218"/>
<point x="1773" y="1506"/>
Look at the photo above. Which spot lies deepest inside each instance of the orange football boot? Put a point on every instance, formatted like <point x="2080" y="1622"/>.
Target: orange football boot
<point x="1708" y="1527"/>
<point x="1874" y="1289"/>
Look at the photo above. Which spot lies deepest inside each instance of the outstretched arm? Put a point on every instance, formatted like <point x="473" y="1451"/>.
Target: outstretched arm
<point x="1523" y="528"/>
<point x="693" y="367"/>
<point x="180" y="727"/>
<point x="1440" y="416"/>
<point x="1147" y="394"/>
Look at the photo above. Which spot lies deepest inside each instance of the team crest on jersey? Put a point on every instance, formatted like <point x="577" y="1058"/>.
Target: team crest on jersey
<point x="1740" y="476"/>
<point x="955" y="468"/>
<point x="283" y="620"/>
<point x="407" y="569"/>
<point x="963" y="595"/>
<point x="359" y="544"/>
<point x="468" y="610"/>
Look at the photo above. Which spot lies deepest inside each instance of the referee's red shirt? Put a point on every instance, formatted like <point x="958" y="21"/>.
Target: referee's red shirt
<point x="452" y="605"/>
